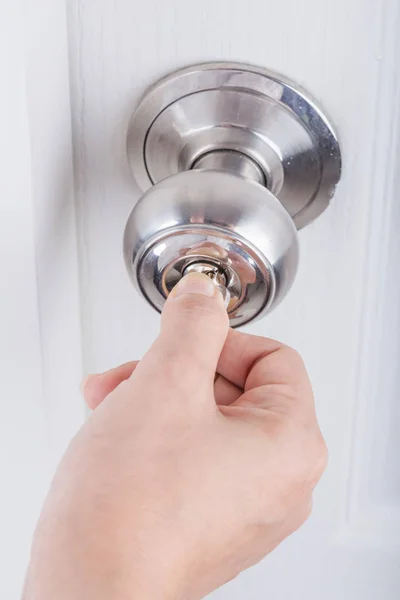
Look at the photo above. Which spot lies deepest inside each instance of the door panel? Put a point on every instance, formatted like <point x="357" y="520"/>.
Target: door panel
<point x="40" y="364"/>
<point x="343" y="313"/>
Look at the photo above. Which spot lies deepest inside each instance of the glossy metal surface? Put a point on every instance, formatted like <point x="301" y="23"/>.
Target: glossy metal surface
<point x="233" y="162"/>
<point x="233" y="106"/>
<point x="234" y="158"/>
<point x="218" y="217"/>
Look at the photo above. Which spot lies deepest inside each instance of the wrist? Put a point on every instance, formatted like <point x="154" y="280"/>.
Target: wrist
<point x="73" y="558"/>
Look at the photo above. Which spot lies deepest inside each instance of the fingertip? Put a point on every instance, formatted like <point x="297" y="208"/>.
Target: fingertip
<point x="89" y="391"/>
<point x="82" y="385"/>
<point x="95" y="388"/>
<point x="194" y="283"/>
<point x="195" y="302"/>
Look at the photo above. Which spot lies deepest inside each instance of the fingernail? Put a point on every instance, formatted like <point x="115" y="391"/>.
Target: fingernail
<point x="194" y="283"/>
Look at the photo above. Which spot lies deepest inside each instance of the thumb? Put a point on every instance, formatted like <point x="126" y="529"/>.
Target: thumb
<point x="194" y="328"/>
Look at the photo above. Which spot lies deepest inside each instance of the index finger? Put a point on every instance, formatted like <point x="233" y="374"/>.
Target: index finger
<point x="251" y="361"/>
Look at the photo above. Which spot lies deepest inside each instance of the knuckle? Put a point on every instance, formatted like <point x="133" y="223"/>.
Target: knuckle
<point x="308" y="508"/>
<point x="299" y="515"/>
<point x="294" y="358"/>
<point x="307" y="457"/>
<point x="321" y="456"/>
<point x="315" y="459"/>
<point x="303" y="514"/>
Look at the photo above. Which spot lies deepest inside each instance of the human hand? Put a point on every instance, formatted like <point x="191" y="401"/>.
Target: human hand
<point x="181" y="478"/>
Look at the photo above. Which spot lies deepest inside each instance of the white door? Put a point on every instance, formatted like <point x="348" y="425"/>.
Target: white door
<point x="40" y="365"/>
<point x="343" y="313"/>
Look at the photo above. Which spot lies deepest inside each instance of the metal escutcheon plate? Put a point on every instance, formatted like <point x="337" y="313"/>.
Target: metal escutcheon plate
<point x="233" y="106"/>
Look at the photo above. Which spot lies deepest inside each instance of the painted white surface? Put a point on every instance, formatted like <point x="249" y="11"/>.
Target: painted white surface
<point x="344" y="311"/>
<point x="40" y="363"/>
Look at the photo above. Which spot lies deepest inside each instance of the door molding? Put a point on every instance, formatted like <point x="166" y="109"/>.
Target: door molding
<point x="53" y="195"/>
<point x="372" y="504"/>
<point x="40" y="319"/>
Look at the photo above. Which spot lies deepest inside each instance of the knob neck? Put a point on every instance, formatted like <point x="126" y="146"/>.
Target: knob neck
<point x="233" y="161"/>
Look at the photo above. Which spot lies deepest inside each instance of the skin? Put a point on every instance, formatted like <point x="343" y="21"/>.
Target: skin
<point x="196" y="463"/>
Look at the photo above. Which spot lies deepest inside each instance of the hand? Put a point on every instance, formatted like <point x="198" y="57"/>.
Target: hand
<point x="197" y="462"/>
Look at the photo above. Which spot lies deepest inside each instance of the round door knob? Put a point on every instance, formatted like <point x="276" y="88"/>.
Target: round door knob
<point x="215" y="218"/>
<point x="234" y="161"/>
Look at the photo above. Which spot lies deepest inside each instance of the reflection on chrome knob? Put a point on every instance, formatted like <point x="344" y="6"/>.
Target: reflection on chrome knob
<point x="229" y="179"/>
<point x="219" y="218"/>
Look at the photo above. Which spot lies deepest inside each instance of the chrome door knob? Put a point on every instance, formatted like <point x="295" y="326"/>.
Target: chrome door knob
<point x="234" y="160"/>
<point x="215" y="218"/>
